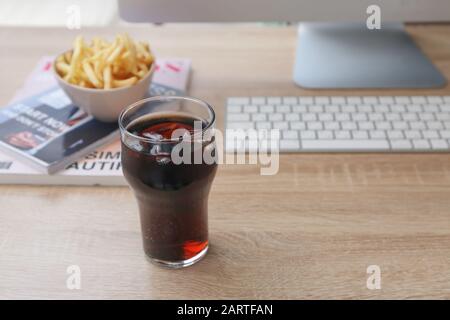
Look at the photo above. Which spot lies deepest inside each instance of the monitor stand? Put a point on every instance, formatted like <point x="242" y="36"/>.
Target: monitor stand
<point x="348" y="55"/>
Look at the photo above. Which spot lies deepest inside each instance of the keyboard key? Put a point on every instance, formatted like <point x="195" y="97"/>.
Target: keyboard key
<point x="235" y="145"/>
<point x="332" y="108"/>
<point x="240" y="125"/>
<point x="430" y="108"/>
<point x="322" y="100"/>
<point x="326" y="117"/>
<point x="281" y="125"/>
<point x="289" y="134"/>
<point x="354" y="100"/>
<point x="430" y="134"/>
<point x="275" y="117"/>
<point x="442" y="116"/>
<point x="417" y="125"/>
<point x="395" y="134"/>
<point x="283" y="108"/>
<point x="315" y="108"/>
<point x="376" y="117"/>
<point x="402" y="99"/>
<point x="401" y="144"/>
<point x="314" y="125"/>
<point x="445" y="134"/>
<point x="435" y="125"/>
<point x="309" y="117"/>
<point x="392" y="116"/>
<point x="426" y="116"/>
<point x="345" y="145"/>
<point x="326" y="134"/>
<point x="290" y="100"/>
<point x="297" y="125"/>
<point x="348" y="125"/>
<point x="386" y="100"/>
<point x="445" y="108"/>
<point x="398" y="108"/>
<point x="306" y="100"/>
<point x="238" y="117"/>
<point x="259" y="117"/>
<point x="377" y="134"/>
<point x="384" y="125"/>
<point x="439" y="144"/>
<point x="418" y="99"/>
<point x="338" y="100"/>
<point x="359" y="117"/>
<point x="258" y="100"/>
<point x="414" y="108"/>
<point x="307" y="135"/>
<point x="360" y="135"/>
<point x="292" y="117"/>
<point x="250" y="109"/>
<point x="287" y="145"/>
<point x="238" y="100"/>
<point x="300" y="108"/>
<point x="332" y="125"/>
<point x="342" y="117"/>
<point x="366" y="125"/>
<point x="348" y="108"/>
<point x="264" y="125"/>
<point x="381" y="108"/>
<point x="273" y="100"/>
<point x="410" y="116"/>
<point x="370" y="100"/>
<point x="400" y="125"/>
<point x="421" y="144"/>
<point x="435" y="99"/>
<point x="413" y="134"/>
<point x="342" y="135"/>
<point x="365" y="108"/>
<point x="266" y="109"/>
<point x="234" y="108"/>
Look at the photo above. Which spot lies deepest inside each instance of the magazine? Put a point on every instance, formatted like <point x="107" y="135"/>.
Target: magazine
<point x="48" y="131"/>
<point x="101" y="166"/>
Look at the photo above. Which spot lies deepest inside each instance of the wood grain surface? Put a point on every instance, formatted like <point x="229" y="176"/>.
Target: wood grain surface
<point x="308" y="232"/>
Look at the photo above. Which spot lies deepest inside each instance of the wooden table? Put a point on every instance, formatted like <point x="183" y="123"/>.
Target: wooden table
<point x="308" y="232"/>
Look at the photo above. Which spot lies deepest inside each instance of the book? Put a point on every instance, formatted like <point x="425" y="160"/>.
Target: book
<point x="48" y="131"/>
<point x="102" y="165"/>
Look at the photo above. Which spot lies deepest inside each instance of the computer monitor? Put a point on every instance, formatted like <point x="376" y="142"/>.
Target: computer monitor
<point x="336" y="48"/>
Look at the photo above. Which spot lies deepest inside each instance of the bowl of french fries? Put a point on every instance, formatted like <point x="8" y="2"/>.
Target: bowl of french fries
<point x="103" y="77"/>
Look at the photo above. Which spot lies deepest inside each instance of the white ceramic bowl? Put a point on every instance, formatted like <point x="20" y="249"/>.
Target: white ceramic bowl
<point x="106" y="104"/>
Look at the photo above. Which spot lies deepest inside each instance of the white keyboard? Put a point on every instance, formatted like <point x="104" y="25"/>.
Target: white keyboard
<point x="346" y="124"/>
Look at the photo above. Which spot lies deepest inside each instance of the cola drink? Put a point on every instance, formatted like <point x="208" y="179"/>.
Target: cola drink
<point x="172" y="198"/>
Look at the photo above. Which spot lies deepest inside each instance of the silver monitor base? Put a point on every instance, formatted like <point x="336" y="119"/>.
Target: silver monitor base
<point x="348" y="55"/>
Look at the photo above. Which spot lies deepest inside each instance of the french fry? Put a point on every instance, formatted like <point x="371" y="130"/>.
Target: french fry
<point x="91" y="75"/>
<point x="107" y="78"/>
<point x="68" y="56"/>
<point x="114" y="54"/>
<point x="62" y="67"/>
<point x="125" y="82"/>
<point x="75" y="58"/>
<point x="143" y="53"/>
<point x="143" y="66"/>
<point x="105" y="65"/>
